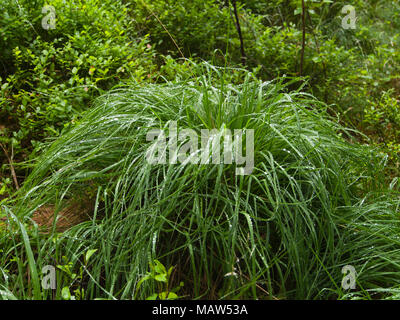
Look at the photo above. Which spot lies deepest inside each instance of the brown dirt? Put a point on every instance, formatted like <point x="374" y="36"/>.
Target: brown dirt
<point x="72" y="214"/>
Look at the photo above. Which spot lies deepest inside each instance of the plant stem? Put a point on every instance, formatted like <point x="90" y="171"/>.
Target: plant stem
<point x="10" y="161"/>
<point x="239" y="32"/>
<point x="303" y="44"/>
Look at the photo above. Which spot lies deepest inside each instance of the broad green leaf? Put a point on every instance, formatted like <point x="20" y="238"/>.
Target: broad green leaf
<point x="161" y="277"/>
<point x="65" y="293"/>
<point x="159" y="267"/>
<point x="168" y="295"/>
<point x="152" y="297"/>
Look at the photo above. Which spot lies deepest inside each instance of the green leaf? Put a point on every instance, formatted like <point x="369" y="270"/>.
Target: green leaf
<point x="31" y="258"/>
<point x="152" y="297"/>
<point x="159" y="267"/>
<point x="3" y="189"/>
<point x="143" y="279"/>
<point x="65" y="293"/>
<point x="88" y="254"/>
<point x="146" y="277"/>
<point x="161" y="277"/>
<point x="316" y="59"/>
<point x="170" y="271"/>
<point x="168" y="295"/>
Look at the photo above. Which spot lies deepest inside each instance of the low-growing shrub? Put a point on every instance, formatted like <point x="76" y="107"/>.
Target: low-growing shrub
<point x="50" y="76"/>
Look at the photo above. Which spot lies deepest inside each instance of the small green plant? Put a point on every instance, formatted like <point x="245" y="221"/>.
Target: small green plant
<point x="73" y="277"/>
<point x="162" y="277"/>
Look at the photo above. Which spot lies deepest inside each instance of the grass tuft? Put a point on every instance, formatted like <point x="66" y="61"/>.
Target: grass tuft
<point x="314" y="202"/>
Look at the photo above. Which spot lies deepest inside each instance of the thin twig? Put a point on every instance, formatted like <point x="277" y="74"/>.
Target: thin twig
<point x="166" y="30"/>
<point x="10" y="161"/>
<point x="319" y="51"/>
<point x="303" y="44"/>
<point x="239" y="33"/>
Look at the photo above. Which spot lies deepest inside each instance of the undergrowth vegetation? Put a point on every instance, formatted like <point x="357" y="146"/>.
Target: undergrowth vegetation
<point x="77" y="102"/>
<point x="314" y="202"/>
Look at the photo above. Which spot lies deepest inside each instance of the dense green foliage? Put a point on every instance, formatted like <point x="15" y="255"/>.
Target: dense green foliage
<point x="50" y="76"/>
<point x="288" y="228"/>
<point x="322" y="194"/>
